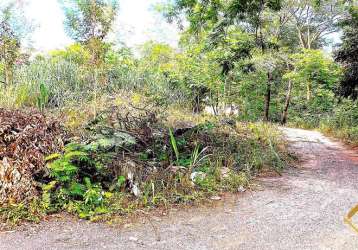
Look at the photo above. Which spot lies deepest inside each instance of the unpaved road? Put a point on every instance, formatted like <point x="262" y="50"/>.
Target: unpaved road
<point x="303" y="209"/>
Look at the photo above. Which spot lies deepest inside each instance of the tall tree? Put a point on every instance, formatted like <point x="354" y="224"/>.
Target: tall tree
<point x="89" y="22"/>
<point x="312" y="20"/>
<point x="14" y="31"/>
<point x="219" y="17"/>
<point x="347" y="54"/>
<point x="314" y="77"/>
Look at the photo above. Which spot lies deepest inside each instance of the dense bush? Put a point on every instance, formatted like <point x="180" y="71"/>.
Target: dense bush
<point x="343" y="122"/>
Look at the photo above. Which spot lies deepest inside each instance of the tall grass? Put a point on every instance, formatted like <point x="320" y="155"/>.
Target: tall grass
<point x="69" y="83"/>
<point x="64" y="80"/>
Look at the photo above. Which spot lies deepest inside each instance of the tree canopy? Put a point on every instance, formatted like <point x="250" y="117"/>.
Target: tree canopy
<point x="347" y="54"/>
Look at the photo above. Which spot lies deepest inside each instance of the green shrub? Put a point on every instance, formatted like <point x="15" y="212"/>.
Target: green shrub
<point x="42" y="98"/>
<point x="74" y="182"/>
<point x="343" y="123"/>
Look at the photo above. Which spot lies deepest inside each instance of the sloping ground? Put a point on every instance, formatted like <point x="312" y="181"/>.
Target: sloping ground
<point x="303" y="209"/>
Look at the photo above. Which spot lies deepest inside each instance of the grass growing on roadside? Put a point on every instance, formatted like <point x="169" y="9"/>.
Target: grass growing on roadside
<point x="344" y="123"/>
<point x="341" y="122"/>
<point x="243" y="151"/>
<point x="110" y="172"/>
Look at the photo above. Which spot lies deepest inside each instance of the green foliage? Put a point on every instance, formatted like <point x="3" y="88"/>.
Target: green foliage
<point x="14" y="30"/>
<point x="13" y="214"/>
<point x="81" y="179"/>
<point x="342" y="122"/>
<point x="63" y="81"/>
<point x="86" y="19"/>
<point x="121" y="181"/>
<point x="208" y="14"/>
<point x="313" y="67"/>
<point x="243" y="54"/>
<point x="239" y="51"/>
<point x="315" y="77"/>
<point x="75" y="53"/>
<point x="197" y="156"/>
<point x="199" y="75"/>
<point x="42" y="99"/>
<point x="72" y="186"/>
<point x="173" y="142"/>
<point x="233" y="182"/>
<point x="347" y="54"/>
<point x="159" y="57"/>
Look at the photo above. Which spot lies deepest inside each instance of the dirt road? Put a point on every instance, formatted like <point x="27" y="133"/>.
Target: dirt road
<point x="303" y="209"/>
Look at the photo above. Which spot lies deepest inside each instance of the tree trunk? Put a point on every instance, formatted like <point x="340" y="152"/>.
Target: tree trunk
<point x="308" y="91"/>
<point x="196" y="105"/>
<point x="287" y="103"/>
<point x="196" y="101"/>
<point x="267" y="97"/>
<point x="214" y="103"/>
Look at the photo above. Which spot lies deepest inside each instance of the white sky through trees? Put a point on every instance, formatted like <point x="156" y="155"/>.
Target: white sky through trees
<point x="137" y="23"/>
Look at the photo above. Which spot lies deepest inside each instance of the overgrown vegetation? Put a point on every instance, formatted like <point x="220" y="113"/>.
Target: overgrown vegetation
<point x="99" y="129"/>
<point x="126" y="158"/>
<point x="343" y="124"/>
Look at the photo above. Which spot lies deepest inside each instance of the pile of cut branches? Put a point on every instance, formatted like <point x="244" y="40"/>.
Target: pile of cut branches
<point x="26" y="138"/>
